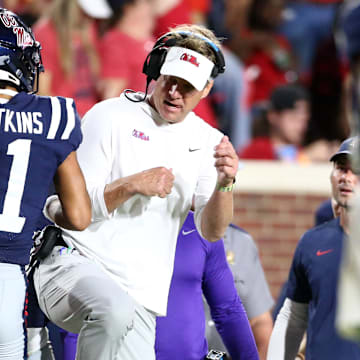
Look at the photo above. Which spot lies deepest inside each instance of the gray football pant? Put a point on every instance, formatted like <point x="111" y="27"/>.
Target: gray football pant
<point x="12" y="301"/>
<point x="78" y="296"/>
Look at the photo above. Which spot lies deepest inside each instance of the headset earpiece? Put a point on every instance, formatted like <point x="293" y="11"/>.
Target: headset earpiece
<point x="156" y="57"/>
<point x="153" y="62"/>
<point x="219" y="67"/>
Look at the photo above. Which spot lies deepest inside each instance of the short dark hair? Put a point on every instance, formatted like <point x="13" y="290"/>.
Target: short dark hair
<point x="285" y="97"/>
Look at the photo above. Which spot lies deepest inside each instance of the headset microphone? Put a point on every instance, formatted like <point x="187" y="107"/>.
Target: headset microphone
<point x="131" y="91"/>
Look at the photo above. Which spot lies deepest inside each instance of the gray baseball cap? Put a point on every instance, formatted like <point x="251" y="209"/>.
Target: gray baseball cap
<point x="347" y="147"/>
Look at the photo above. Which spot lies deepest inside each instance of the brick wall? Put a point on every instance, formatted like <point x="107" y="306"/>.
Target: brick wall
<point x="277" y="209"/>
<point x="276" y="222"/>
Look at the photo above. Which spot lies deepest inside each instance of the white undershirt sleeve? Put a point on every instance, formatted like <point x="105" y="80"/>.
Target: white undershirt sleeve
<point x="197" y="219"/>
<point x="289" y="328"/>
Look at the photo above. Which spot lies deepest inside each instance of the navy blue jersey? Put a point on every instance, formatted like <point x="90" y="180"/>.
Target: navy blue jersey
<point x="313" y="279"/>
<point x="36" y="135"/>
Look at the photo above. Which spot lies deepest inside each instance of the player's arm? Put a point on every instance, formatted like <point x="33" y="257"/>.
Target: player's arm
<point x="115" y="70"/>
<point x="262" y="326"/>
<point x="218" y="212"/>
<point x="290" y="326"/>
<point x="75" y="210"/>
<point x="226" y="308"/>
<point x="253" y="289"/>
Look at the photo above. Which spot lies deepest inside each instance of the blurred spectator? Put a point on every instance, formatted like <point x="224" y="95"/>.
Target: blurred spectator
<point x="326" y="75"/>
<point x="12" y="5"/>
<point x="285" y="122"/>
<point x="125" y="45"/>
<point x="252" y="32"/>
<point x="229" y="95"/>
<point x="266" y="54"/>
<point x="199" y="10"/>
<point x="306" y="25"/>
<point x="328" y="87"/>
<point x="28" y="10"/>
<point x="68" y="38"/>
<point x="225" y="15"/>
<point x="170" y="13"/>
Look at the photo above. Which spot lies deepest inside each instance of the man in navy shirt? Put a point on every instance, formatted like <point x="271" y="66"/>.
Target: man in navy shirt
<point x="311" y="296"/>
<point x="38" y="139"/>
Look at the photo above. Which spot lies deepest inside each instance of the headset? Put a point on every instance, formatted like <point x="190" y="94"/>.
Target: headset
<point x="156" y="57"/>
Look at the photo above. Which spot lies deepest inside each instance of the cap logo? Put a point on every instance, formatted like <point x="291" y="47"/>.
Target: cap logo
<point x="190" y="58"/>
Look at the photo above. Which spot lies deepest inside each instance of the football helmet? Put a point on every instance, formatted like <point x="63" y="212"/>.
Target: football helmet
<point x="20" y="59"/>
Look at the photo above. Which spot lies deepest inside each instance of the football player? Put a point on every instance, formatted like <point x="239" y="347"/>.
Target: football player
<point x="38" y="139"/>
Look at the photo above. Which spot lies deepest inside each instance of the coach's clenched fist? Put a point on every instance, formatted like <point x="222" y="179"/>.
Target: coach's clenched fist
<point x="226" y="162"/>
<point x="155" y="182"/>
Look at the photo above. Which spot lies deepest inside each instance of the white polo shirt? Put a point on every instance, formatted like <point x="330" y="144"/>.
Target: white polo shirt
<point x="135" y="244"/>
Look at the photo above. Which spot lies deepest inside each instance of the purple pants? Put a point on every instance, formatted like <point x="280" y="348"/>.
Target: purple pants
<point x="68" y="341"/>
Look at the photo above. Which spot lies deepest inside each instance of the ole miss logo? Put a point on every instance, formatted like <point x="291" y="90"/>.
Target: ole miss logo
<point x="140" y="135"/>
<point x="190" y="58"/>
<point x="22" y="36"/>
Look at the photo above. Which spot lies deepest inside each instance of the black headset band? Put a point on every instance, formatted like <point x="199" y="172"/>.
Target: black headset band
<point x="191" y="34"/>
